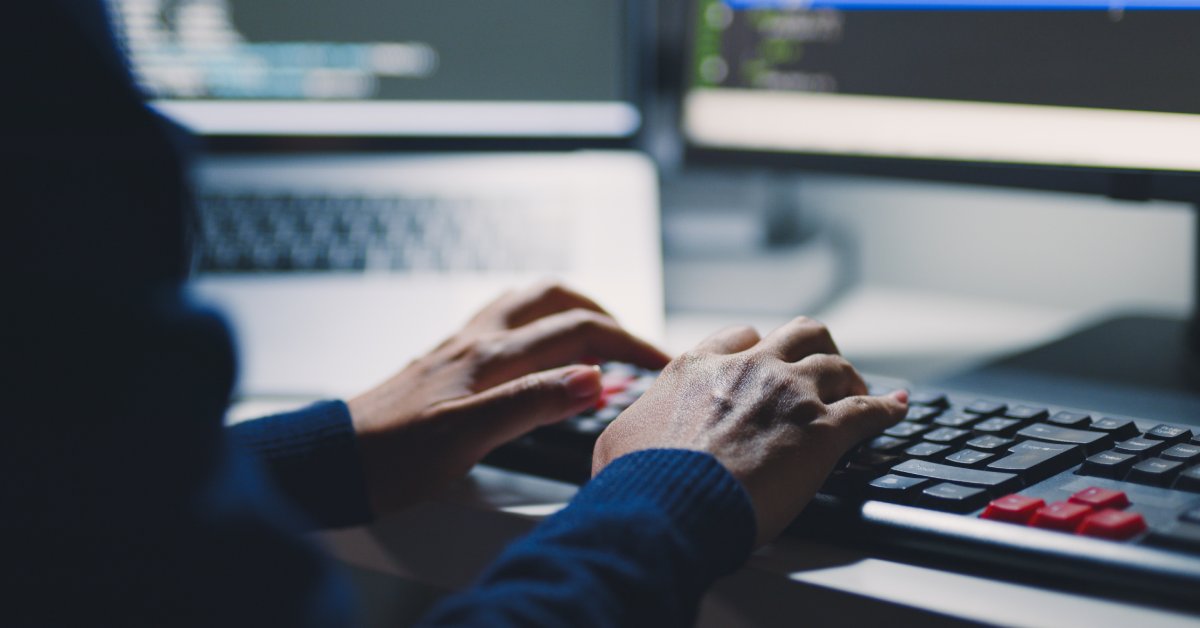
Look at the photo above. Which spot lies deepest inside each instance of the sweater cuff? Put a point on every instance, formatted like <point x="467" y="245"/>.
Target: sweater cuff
<point x="709" y="507"/>
<point x="312" y="455"/>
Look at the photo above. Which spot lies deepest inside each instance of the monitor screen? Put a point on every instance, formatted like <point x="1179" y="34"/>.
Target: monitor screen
<point x="457" y="68"/>
<point x="1095" y="84"/>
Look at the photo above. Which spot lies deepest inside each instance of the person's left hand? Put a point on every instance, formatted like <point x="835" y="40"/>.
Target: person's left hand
<point x="514" y="367"/>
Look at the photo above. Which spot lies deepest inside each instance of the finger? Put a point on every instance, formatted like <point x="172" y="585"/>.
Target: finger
<point x="834" y="377"/>
<point x="501" y="414"/>
<point x="799" y="338"/>
<point x="566" y="338"/>
<point x="540" y="300"/>
<point x="730" y="340"/>
<point x="861" y="417"/>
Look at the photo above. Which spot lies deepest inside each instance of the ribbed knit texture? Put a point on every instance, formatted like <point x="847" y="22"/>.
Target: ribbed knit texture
<point x="638" y="546"/>
<point x="312" y="456"/>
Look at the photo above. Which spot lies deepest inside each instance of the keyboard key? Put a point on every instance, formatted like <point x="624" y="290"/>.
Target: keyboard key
<point x="905" y="429"/>
<point x="985" y="407"/>
<point x="875" y="460"/>
<point x="1117" y="525"/>
<point x="1013" y="509"/>
<point x="895" y="488"/>
<point x="969" y="457"/>
<point x="928" y="398"/>
<point x="1189" y="480"/>
<point x="1062" y="516"/>
<point x="1108" y="464"/>
<point x="1183" y="452"/>
<point x="1091" y="441"/>
<point x="1155" y="471"/>
<point x="1169" y="433"/>
<point x="1100" y="498"/>
<point x="989" y="443"/>
<point x="1184" y="536"/>
<point x="1191" y="515"/>
<point x="1035" y="461"/>
<point x="927" y="450"/>
<point x="998" y="426"/>
<point x="947" y="436"/>
<point x="952" y="497"/>
<point x="1117" y="428"/>
<point x="1070" y="419"/>
<point x="1027" y="413"/>
<point x="959" y="420"/>
<point x="888" y="443"/>
<point x="921" y="414"/>
<point x="998" y="482"/>
<point x="1140" y="447"/>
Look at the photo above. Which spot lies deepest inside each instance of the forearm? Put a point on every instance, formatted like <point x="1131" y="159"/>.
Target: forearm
<point x="639" y="545"/>
<point x="312" y="456"/>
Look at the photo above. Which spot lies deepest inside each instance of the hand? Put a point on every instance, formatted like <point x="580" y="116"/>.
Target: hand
<point x="511" y="369"/>
<point x="777" y="412"/>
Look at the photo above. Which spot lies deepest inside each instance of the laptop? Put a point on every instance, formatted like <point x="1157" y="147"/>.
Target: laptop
<point x="373" y="185"/>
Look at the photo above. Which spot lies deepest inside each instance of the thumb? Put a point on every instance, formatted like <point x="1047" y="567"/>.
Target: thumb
<point x="861" y="417"/>
<point x="504" y="412"/>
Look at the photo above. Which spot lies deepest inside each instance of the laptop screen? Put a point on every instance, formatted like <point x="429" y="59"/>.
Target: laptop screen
<point x="419" y="68"/>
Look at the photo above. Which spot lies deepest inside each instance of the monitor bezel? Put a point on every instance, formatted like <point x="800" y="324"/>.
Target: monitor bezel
<point x="1120" y="183"/>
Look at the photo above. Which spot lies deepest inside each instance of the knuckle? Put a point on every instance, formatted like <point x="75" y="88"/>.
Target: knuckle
<point x="549" y="289"/>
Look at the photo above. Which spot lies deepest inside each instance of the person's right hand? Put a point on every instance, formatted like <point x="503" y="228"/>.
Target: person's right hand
<point x="777" y="412"/>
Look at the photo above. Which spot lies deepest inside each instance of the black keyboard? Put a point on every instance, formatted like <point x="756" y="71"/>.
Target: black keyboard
<point x="244" y="232"/>
<point x="1064" y="497"/>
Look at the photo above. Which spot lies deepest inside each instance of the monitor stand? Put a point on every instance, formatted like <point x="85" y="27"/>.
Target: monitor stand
<point x="1144" y="366"/>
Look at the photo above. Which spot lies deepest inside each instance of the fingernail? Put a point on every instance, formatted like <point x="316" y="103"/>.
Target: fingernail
<point x="583" y="383"/>
<point x="900" y="395"/>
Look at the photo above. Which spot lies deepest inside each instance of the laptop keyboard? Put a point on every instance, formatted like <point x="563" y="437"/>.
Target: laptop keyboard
<point x="1130" y="488"/>
<point x="243" y="233"/>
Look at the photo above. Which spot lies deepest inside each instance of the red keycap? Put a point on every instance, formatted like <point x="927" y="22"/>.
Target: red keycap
<point x="1113" y="524"/>
<point x="602" y="402"/>
<point x="1099" y="498"/>
<point x="1012" y="508"/>
<point x="1063" y="516"/>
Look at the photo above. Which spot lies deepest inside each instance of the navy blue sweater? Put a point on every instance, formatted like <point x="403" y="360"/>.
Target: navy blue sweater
<point x="124" y="500"/>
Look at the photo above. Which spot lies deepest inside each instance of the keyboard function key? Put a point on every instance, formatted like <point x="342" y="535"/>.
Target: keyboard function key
<point x="1027" y="413"/>
<point x="1183" y="452"/>
<point x="927" y="450"/>
<point x="895" y="488"/>
<point x="985" y="407"/>
<point x="998" y="426"/>
<point x="1155" y="471"/>
<point x="905" y="429"/>
<point x="1108" y="464"/>
<point x="953" y="497"/>
<point x="1100" y="498"/>
<point x="1140" y="447"/>
<point x="1169" y="433"/>
<point x="1189" y="480"/>
<point x="947" y="436"/>
<point x="1077" y="420"/>
<point x="1013" y="508"/>
<point x="1117" y="525"/>
<point x="1091" y="441"/>
<point x="989" y="443"/>
<point x="1062" y="516"/>
<point x="1117" y="428"/>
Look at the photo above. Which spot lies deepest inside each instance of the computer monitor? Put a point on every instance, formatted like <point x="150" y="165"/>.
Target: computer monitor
<point x="1087" y="95"/>
<point x="390" y="68"/>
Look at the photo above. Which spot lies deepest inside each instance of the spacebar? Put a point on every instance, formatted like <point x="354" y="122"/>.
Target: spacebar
<point x="970" y="477"/>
